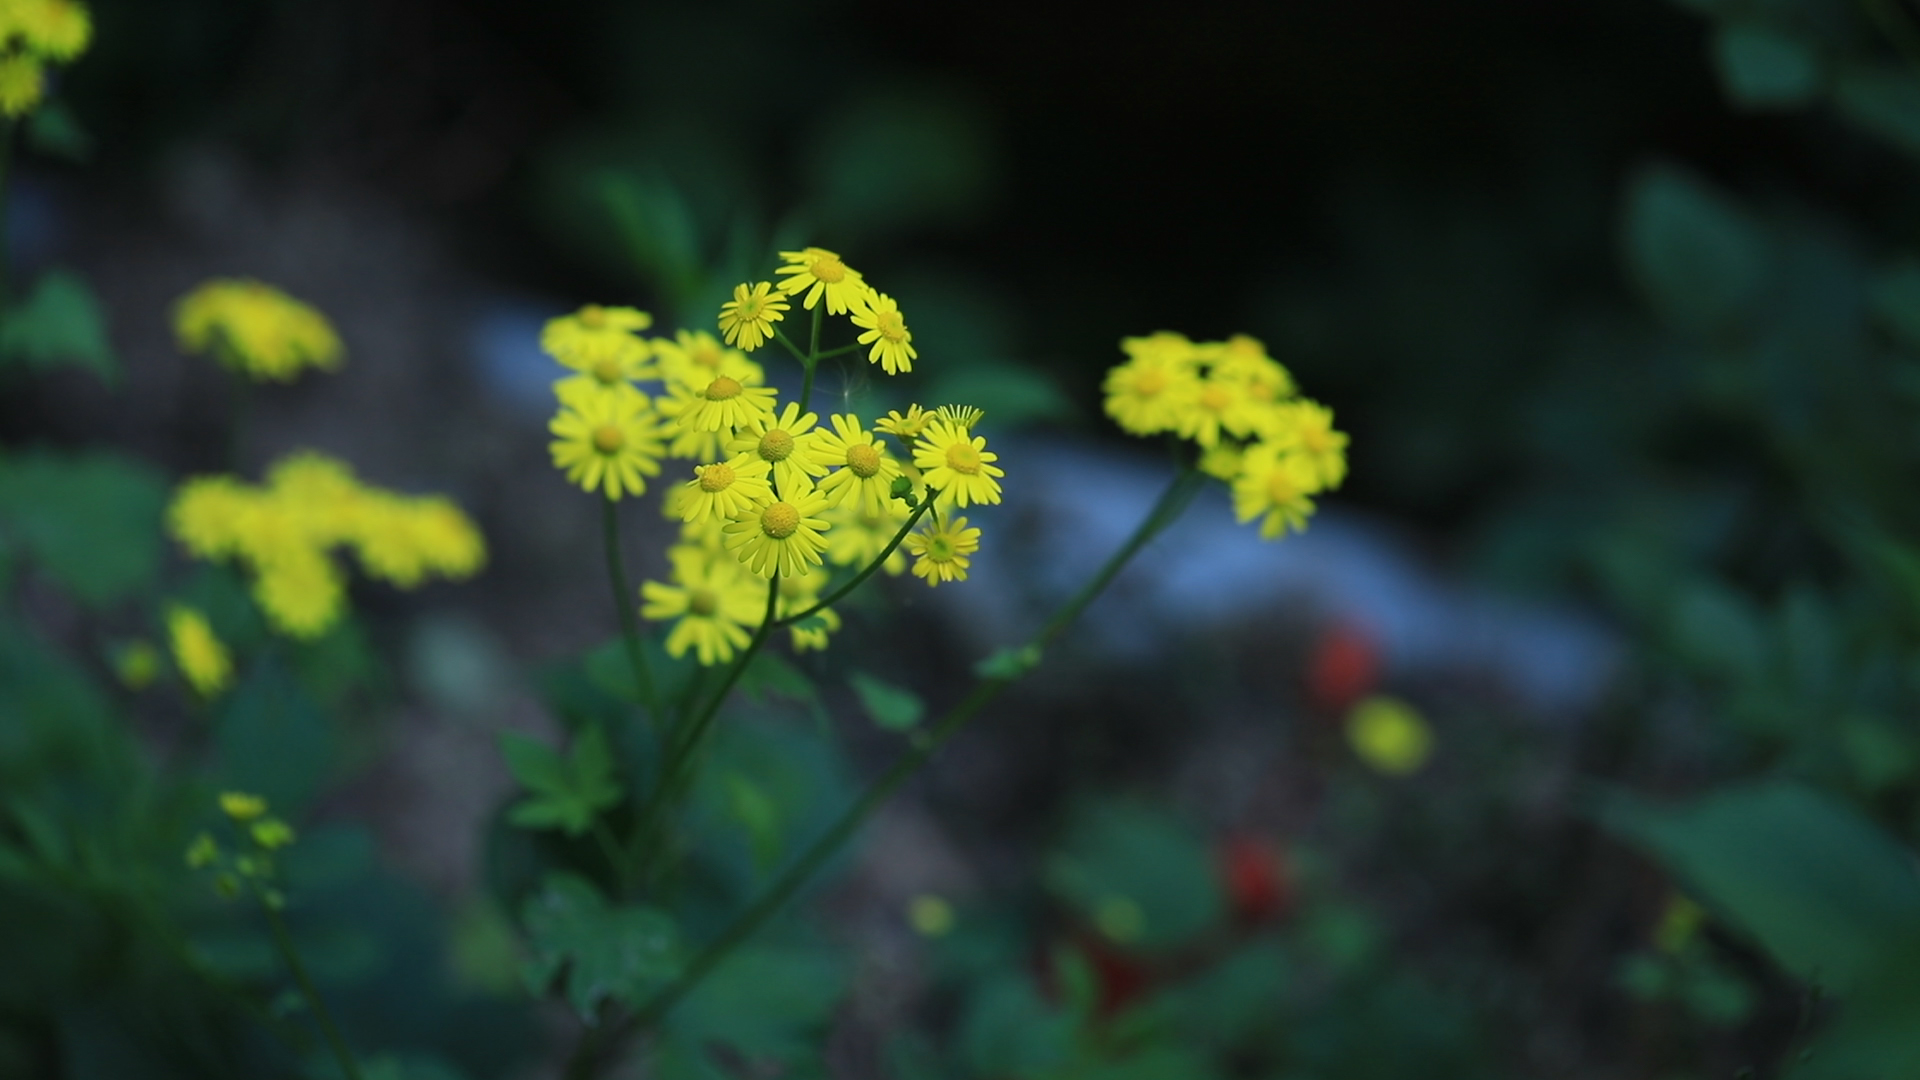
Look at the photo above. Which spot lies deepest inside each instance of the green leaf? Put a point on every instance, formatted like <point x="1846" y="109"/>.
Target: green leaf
<point x="272" y="741"/>
<point x="600" y="952"/>
<point x="1883" y="101"/>
<point x="891" y="707"/>
<point x="1823" y="891"/>
<point x="763" y="1001"/>
<point x="60" y="323"/>
<point x="1010" y="1030"/>
<point x="1010" y="663"/>
<point x="768" y="677"/>
<point x="90" y="520"/>
<point x="757" y="813"/>
<point x="567" y="793"/>
<point x="1762" y="68"/>
<point x="1140" y="876"/>
<point x="1695" y="253"/>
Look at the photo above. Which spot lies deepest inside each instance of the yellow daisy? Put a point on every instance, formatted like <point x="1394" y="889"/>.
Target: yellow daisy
<point x="319" y="494"/>
<point x="604" y="365"/>
<point x="940" y="550"/>
<point x="201" y="658"/>
<point x="22" y="84"/>
<point x="886" y="330"/>
<point x="905" y="426"/>
<point x="819" y="272"/>
<point x="786" y="443"/>
<point x="714" y="600"/>
<point x="784" y="534"/>
<point x="856" y="536"/>
<point x="1306" y="427"/>
<point x="747" y="319"/>
<point x="205" y="513"/>
<point x="1244" y="359"/>
<point x="958" y="464"/>
<point x="1148" y="394"/>
<point x="703" y="532"/>
<point x="862" y="470"/>
<point x="1277" y="487"/>
<point x="723" y="403"/>
<point x="447" y="539"/>
<point x="607" y="445"/>
<point x="725" y="488"/>
<point x="1217" y="404"/>
<point x="255" y="328"/>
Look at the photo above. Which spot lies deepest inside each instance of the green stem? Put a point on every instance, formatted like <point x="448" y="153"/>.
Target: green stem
<point x="610" y="849"/>
<point x="284" y="943"/>
<point x="6" y="278"/>
<point x="1172" y="501"/>
<point x="623" y="603"/>
<point x="841" y="351"/>
<point x="680" y="747"/>
<point x="866" y="573"/>
<point x="783" y="339"/>
<point x="813" y="357"/>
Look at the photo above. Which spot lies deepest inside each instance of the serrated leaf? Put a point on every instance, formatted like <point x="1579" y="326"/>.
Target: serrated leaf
<point x="600" y="952"/>
<point x="566" y="792"/>
<point x="1822" y="890"/>
<point x="892" y="707"/>
<point x="60" y="323"/>
<point x="537" y="766"/>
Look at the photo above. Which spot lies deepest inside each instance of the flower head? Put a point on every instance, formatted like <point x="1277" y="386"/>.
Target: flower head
<point x="240" y="806"/>
<point x="862" y="470"/>
<point x="256" y="329"/>
<point x="22" y="84"/>
<point x="692" y="358"/>
<point x="905" y="426"/>
<point x="940" y="550"/>
<point x="958" y="463"/>
<point x="1277" y="487"/>
<point x="722" y="403"/>
<point x="786" y="443"/>
<point x="570" y="339"/>
<point x="602" y="364"/>
<point x="300" y="591"/>
<point x="1306" y="427"/>
<point x="817" y="272"/>
<point x="205" y="514"/>
<point x="723" y="489"/>
<point x="747" y="319"/>
<point x="200" y="656"/>
<point x="607" y="445"/>
<point x="783" y="535"/>
<point x="58" y="30"/>
<point x="714" y="600"/>
<point x="886" y="330"/>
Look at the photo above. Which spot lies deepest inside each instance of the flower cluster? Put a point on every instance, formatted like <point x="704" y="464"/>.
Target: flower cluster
<point x="261" y="835"/>
<point x="33" y="34"/>
<point x="284" y="531"/>
<point x="255" y="329"/>
<point x="1275" y="449"/>
<point x="778" y="497"/>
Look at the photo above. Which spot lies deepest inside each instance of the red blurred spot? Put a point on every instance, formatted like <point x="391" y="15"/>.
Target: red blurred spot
<point x="1122" y="979"/>
<point x="1344" y="667"/>
<point x="1254" y="871"/>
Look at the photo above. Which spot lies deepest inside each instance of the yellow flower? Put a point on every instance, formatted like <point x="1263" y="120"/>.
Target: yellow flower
<point x="819" y="271"/>
<point x="241" y="806"/>
<point x="747" y="319"/>
<point x="604" y="364"/>
<point x="201" y="658"/>
<point x="786" y="443"/>
<point x="319" y="494"/>
<point x="886" y="330"/>
<point x="1277" y="487"/>
<point x="400" y="540"/>
<point x="863" y="471"/>
<point x="714" y="600"/>
<point x="694" y="357"/>
<point x="1222" y="462"/>
<point x="783" y="534"/>
<point x="1148" y="394"/>
<point x="905" y="426"/>
<point x="958" y="465"/>
<point x="448" y="540"/>
<point x="607" y="445"/>
<point x="940" y="550"/>
<point x="1306" y="427"/>
<point x="1389" y="735"/>
<point x="703" y="532"/>
<point x="725" y="489"/>
<point x="816" y="637"/>
<point x="1244" y="359"/>
<point x="856" y="536"/>
<point x="205" y="515"/>
<point x="58" y="30"/>
<point x="1213" y="405"/>
<point x="22" y="84"/>
<point x="301" y="592"/>
<point x="1161" y="346"/>
<point x="256" y="329"/>
<point x="723" y="403"/>
<point x="577" y="340"/>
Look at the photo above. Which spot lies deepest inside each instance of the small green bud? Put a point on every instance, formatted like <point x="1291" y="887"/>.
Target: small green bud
<point x="203" y="852"/>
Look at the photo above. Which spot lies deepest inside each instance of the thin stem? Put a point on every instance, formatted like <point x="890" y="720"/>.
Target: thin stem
<point x="624" y="604"/>
<point x="812" y="361"/>
<point x="610" y="850"/>
<point x="284" y="943"/>
<point x="782" y="338"/>
<point x="885" y="553"/>
<point x="1172" y="501"/>
<point x="841" y="351"/>
<point x="806" y="388"/>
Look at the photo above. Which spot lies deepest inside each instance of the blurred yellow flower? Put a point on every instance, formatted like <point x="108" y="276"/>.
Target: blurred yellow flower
<point x="1276" y="487"/>
<point x="856" y="536"/>
<point x="22" y="84"/>
<point x="255" y="329"/>
<point x="1307" y="427"/>
<point x="206" y="512"/>
<point x="797" y="594"/>
<point x="693" y="358"/>
<point x="1389" y="735"/>
<point x="241" y="806"/>
<point x="301" y="592"/>
<point x="58" y="30"/>
<point x="1147" y="394"/>
<point x="203" y="661"/>
<point x="714" y="600"/>
<point x="579" y="339"/>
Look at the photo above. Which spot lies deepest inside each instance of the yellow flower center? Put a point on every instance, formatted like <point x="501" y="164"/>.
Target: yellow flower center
<point x="776" y="446"/>
<point x="1215" y="398"/>
<point x="891" y="326"/>
<point x="1281" y="488"/>
<point x="963" y="458"/>
<point x="716" y="477"/>
<point x="593" y="317"/>
<point x="749" y="309"/>
<point x="608" y="439"/>
<point x="723" y="389"/>
<point x="607" y="370"/>
<point x="1150" y="383"/>
<point x="1261" y="391"/>
<point x="702" y="601"/>
<point x="940" y="547"/>
<point x="827" y="268"/>
<point x="780" y="520"/>
<point x="706" y="353"/>
<point x="863" y="459"/>
<point x="1316" y="439"/>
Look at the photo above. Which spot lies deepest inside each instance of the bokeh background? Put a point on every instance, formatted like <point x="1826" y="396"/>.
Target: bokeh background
<point x="1609" y="296"/>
